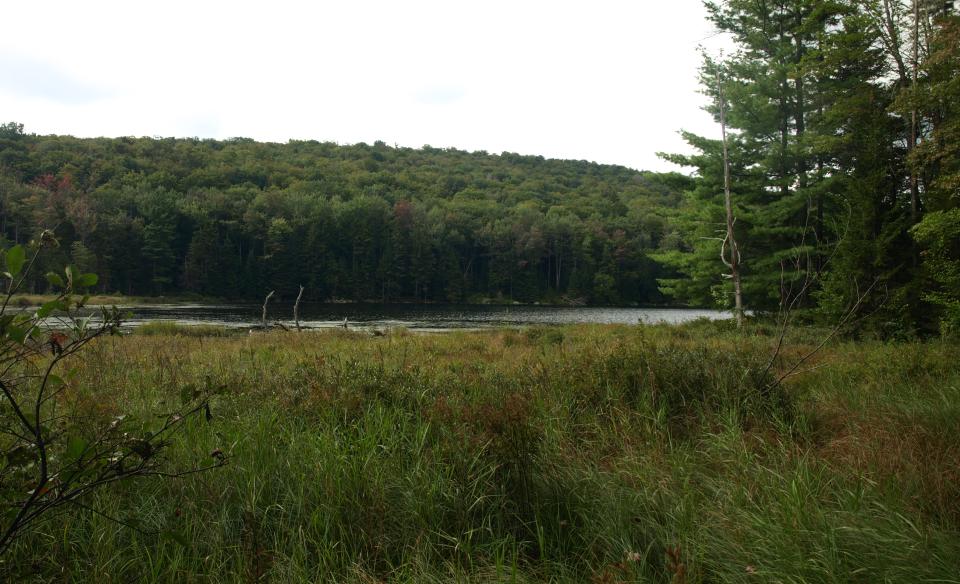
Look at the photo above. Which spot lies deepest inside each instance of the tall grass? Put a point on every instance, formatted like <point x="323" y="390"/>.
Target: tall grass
<point x="169" y="328"/>
<point x="589" y="453"/>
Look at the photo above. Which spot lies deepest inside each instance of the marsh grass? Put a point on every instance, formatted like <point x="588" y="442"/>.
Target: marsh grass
<point x="167" y="328"/>
<point x="574" y="454"/>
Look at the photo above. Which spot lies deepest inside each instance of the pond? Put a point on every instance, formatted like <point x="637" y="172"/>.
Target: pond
<point x="422" y="317"/>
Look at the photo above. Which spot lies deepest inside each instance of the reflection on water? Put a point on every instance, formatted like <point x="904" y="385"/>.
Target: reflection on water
<point x="423" y="317"/>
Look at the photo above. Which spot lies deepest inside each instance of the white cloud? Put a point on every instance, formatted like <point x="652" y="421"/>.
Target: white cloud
<point x="611" y="81"/>
<point x="30" y="79"/>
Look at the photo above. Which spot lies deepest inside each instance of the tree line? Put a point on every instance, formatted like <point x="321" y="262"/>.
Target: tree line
<point x="844" y="151"/>
<point x="844" y="165"/>
<point x="237" y="218"/>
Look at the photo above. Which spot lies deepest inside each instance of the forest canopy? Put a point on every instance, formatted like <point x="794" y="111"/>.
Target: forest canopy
<point x="236" y="218"/>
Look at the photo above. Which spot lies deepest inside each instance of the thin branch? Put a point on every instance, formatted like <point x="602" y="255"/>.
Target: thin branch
<point x="843" y="321"/>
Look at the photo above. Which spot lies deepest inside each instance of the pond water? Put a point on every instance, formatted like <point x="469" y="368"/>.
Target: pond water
<point x="423" y="317"/>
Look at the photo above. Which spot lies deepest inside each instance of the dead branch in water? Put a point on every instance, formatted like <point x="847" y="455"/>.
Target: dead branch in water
<point x="296" y="309"/>
<point x="263" y="318"/>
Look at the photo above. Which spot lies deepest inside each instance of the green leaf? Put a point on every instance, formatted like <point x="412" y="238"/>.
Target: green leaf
<point x="76" y="448"/>
<point x="55" y="280"/>
<point x="16" y="333"/>
<point x="16" y="257"/>
<point x="54" y="381"/>
<point x="86" y="280"/>
<point x="47" y="308"/>
<point x="72" y="275"/>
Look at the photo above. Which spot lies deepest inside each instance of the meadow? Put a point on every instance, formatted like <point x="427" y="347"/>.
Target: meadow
<point x="592" y="453"/>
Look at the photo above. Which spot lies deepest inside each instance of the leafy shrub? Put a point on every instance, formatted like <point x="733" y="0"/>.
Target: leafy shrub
<point x="55" y="455"/>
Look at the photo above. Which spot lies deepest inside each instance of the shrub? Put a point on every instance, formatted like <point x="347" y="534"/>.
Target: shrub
<point x="54" y="455"/>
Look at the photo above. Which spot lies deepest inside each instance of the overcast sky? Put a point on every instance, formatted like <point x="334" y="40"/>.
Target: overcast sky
<point x="608" y="81"/>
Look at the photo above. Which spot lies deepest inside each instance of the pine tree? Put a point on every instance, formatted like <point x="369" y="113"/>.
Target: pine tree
<point x="824" y="196"/>
<point x="769" y="104"/>
<point x="937" y="160"/>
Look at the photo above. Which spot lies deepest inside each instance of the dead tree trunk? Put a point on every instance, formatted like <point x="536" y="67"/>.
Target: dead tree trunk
<point x="912" y="142"/>
<point x="296" y="309"/>
<point x="263" y="318"/>
<point x="734" y="262"/>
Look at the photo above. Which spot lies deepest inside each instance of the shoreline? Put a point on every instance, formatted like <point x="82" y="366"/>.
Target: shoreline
<point x="33" y="300"/>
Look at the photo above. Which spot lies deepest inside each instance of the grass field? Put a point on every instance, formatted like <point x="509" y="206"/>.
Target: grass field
<point x="577" y="454"/>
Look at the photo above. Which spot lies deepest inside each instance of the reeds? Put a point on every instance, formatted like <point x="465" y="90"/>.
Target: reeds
<point x="589" y="453"/>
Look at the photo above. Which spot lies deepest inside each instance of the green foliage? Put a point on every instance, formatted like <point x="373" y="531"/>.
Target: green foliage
<point x="234" y="218"/>
<point x="937" y="158"/>
<point x="820" y="100"/>
<point x="939" y="235"/>
<point x="15" y="258"/>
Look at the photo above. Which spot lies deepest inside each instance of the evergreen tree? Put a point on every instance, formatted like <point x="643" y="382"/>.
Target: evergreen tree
<point x="937" y="160"/>
<point x="159" y="238"/>
<point x="824" y="197"/>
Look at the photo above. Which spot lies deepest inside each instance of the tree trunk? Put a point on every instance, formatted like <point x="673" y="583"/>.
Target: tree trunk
<point x="912" y="142"/>
<point x="734" y="262"/>
<point x="296" y="309"/>
<point x="263" y="318"/>
<point x="784" y="111"/>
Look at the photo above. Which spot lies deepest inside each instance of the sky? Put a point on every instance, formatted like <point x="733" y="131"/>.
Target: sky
<point x="606" y="81"/>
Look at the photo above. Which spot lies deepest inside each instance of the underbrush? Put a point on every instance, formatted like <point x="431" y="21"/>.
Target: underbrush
<point x="576" y="454"/>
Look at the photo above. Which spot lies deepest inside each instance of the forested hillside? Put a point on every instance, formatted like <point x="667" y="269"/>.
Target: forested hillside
<point x="844" y="159"/>
<point x="844" y="137"/>
<point x="237" y="218"/>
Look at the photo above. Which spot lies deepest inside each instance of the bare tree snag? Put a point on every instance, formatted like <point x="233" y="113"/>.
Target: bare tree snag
<point x="263" y="318"/>
<point x="296" y="309"/>
<point x="734" y="262"/>
<point x="912" y="142"/>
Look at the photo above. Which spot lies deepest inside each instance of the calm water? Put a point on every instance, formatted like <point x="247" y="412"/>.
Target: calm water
<point x="432" y="317"/>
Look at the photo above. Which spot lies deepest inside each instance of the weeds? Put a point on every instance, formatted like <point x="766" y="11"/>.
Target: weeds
<point x="576" y="454"/>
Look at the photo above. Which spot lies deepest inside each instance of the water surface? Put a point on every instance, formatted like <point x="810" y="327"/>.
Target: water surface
<point x="423" y="317"/>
